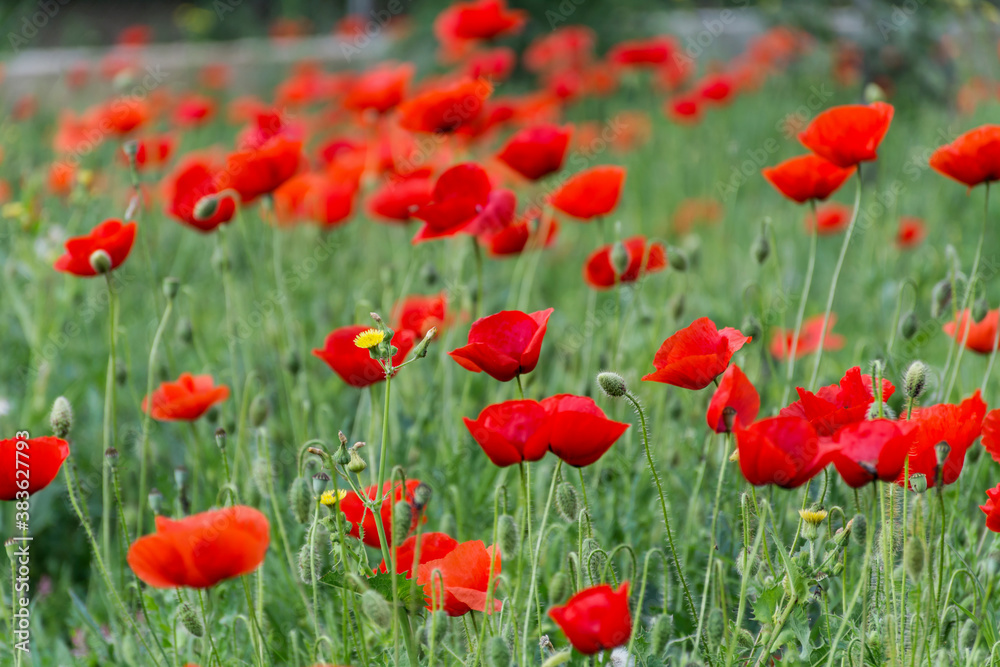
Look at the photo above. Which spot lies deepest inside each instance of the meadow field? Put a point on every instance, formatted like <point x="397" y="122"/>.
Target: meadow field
<point x="487" y="334"/>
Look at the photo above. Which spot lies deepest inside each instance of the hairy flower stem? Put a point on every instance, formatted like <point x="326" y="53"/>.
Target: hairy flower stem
<point x="477" y="306"/>
<point x="711" y="533"/>
<point x="534" y="563"/>
<point x="312" y="572"/>
<point x="810" y="267"/>
<point x="666" y="520"/>
<point x="833" y="283"/>
<point x="109" y="425"/>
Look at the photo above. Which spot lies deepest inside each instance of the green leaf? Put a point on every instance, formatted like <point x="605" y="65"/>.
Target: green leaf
<point x="798" y="623"/>
<point x="380" y="583"/>
<point x="765" y="607"/>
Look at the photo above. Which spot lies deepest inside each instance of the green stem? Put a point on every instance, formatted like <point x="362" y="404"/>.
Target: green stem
<point x="147" y="416"/>
<point x="534" y="562"/>
<point x="711" y="545"/>
<point x="810" y="267"/>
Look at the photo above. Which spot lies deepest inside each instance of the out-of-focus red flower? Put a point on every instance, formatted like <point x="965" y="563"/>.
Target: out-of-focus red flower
<point x="459" y="196"/>
<point x="783" y="340"/>
<point x="568" y="47"/>
<point x="981" y="336"/>
<point x="537" y="151"/>
<point x="848" y="134"/>
<point x="493" y="64"/>
<point x="716" y="89"/>
<point x="520" y="235"/>
<point x="111" y="237"/>
<point x="24" y="107"/>
<point x="643" y="258"/>
<point x="355" y="511"/>
<point x="355" y="365"/>
<point x="565" y="85"/>
<point x="433" y="546"/>
<point x="152" y="152"/>
<point x="258" y="171"/>
<point x="590" y="193"/>
<point x="911" y="233"/>
<point x="193" y="110"/>
<point x="138" y="34"/>
<point x="121" y="116"/>
<point x="872" y="450"/>
<point x="446" y="108"/>
<point x="784" y="451"/>
<point x="510" y="432"/>
<point x="577" y="430"/>
<point x="379" y="89"/>
<point x="643" y="52"/>
<point x="673" y="73"/>
<point x="191" y="181"/>
<point x="399" y="198"/>
<point x="61" y="178"/>
<point x="265" y="124"/>
<point x="685" y="109"/>
<point x="215" y="76"/>
<point x="696" y="355"/>
<point x="991" y="434"/>
<point x="695" y="211"/>
<point x="971" y="159"/>
<point x="465" y="575"/>
<point x="595" y="619"/>
<point x="992" y="509"/>
<point x="806" y="177"/>
<point x="735" y="401"/>
<point x="45" y="455"/>
<point x="201" y="550"/>
<point x="187" y="399"/>
<point x="837" y="405"/>
<point x="504" y="345"/>
<point x="958" y="425"/>
<point x="479" y="19"/>
<point x="419" y="314"/>
<point x="831" y="218"/>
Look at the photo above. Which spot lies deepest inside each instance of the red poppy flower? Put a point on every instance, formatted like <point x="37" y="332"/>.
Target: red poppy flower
<point x="735" y="401"/>
<point x="838" y="405"/>
<point x="783" y="341"/>
<point x="459" y="196"/>
<point x="831" y="218"/>
<point x="504" y="345"/>
<point x="419" y="314"/>
<point x="464" y="574"/>
<point x="151" y="152"/>
<point x="536" y="152"/>
<point x="447" y="108"/>
<point x="590" y="193"/>
<point x="981" y="335"/>
<point x="201" y="550"/>
<point x="354" y="365"/>
<point x="911" y="233"/>
<point x="510" y="432"/>
<point x="193" y="110"/>
<point x="973" y="158"/>
<point x="991" y="434"/>
<point x="185" y="400"/>
<point x="872" y="449"/>
<point x="398" y="199"/>
<point x="848" y="134"/>
<point x="992" y="509"/>
<point x="641" y="52"/>
<point x="258" y="171"/>
<point x="517" y="236"/>
<point x="122" y="115"/>
<point x="784" y="451"/>
<point x="807" y="177"/>
<point x="716" y="89"/>
<point x="379" y="89"/>
<point x="433" y="546"/>
<point x="684" y="109"/>
<point x="495" y="216"/>
<point x="355" y="511"/>
<point x="45" y="456"/>
<point x="191" y="181"/>
<point x="480" y="19"/>
<point x="577" y="430"/>
<point x="595" y="619"/>
<point x="111" y="237"/>
<point x="958" y="425"/>
<point x="696" y="355"/>
<point x="600" y="274"/>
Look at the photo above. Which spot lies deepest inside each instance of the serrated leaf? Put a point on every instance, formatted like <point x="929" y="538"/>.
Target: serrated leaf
<point x="798" y="623"/>
<point x="765" y="607"/>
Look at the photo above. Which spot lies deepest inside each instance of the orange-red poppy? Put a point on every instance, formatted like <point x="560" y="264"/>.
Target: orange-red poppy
<point x="187" y="399"/>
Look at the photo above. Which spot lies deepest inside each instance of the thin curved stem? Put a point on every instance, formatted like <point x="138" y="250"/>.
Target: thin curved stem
<point x="810" y="268"/>
<point x="534" y="560"/>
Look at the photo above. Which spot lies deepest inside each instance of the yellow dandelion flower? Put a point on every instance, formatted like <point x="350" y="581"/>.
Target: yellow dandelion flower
<point x="331" y="498"/>
<point x="815" y="517"/>
<point x="369" y="338"/>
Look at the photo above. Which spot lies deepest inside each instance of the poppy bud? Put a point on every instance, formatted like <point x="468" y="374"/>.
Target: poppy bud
<point x="342" y="457"/>
<point x="185" y="332"/>
<point x="660" y="634"/>
<point x="874" y="93"/>
<point x="940" y="297"/>
<point x="319" y="482"/>
<point x="357" y="464"/>
<point x="751" y="327"/>
<point x="300" y="500"/>
<point x="909" y="325"/>
<point x="111" y="456"/>
<point x="100" y="261"/>
<point x="859" y="529"/>
<point x="170" y="287"/>
<point x="155" y="499"/>
<point x="918" y="482"/>
<point x="61" y="418"/>
<point x="293" y="364"/>
<point x="914" y="559"/>
<point x="190" y="620"/>
<point x="677" y="259"/>
<point x="121" y="372"/>
<point x="376" y="610"/>
<point x="566" y="502"/>
<point x="560" y="587"/>
<point x="677" y="305"/>
<point x="261" y="473"/>
<point x="979" y="309"/>
<point x="761" y="248"/>
<point x="915" y="379"/>
<point x="620" y="258"/>
<point x="497" y="653"/>
<point x="714" y="628"/>
<point x="508" y="535"/>
<point x="402" y="519"/>
<point x="259" y="410"/>
<point x="421" y="496"/>
<point x="612" y="384"/>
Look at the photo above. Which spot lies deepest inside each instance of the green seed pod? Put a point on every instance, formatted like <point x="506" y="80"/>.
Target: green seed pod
<point x="508" y="535"/>
<point x="185" y="331"/>
<point x="714" y="628"/>
<point x="909" y="325"/>
<point x="677" y="259"/>
<point x="566" y="502"/>
<point x="305" y="567"/>
<point x="559" y="588"/>
<point x="497" y="653"/>
<point x="918" y="482"/>
<point x="915" y="379"/>
<point x="421" y="496"/>
<point x="357" y="464"/>
<point x="376" y="610"/>
<point x="859" y="529"/>
<point x="259" y="410"/>
<point x="190" y="619"/>
<point x="874" y="93"/>
<point x="914" y="558"/>
<point x="979" y="309"/>
<point x="300" y="500"/>
<point x="620" y="258"/>
<point x="940" y="297"/>
<point x="744" y="638"/>
<point x="660" y="634"/>
<point x="612" y="384"/>
<point x="402" y="521"/>
<point x="61" y="418"/>
<point x="761" y="248"/>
